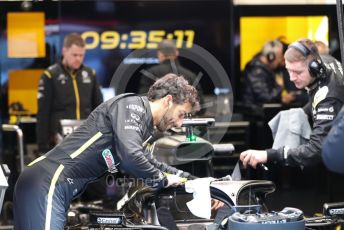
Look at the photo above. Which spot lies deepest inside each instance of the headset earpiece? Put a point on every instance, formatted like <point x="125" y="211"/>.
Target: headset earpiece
<point x="271" y="56"/>
<point x="316" y="68"/>
<point x="270" y="50"/>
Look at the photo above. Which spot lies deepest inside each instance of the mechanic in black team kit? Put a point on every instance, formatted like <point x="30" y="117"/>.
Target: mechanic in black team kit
<point x="111" y="138"/>
<point x="322" y="76"/>
<point x="67" y="90"/>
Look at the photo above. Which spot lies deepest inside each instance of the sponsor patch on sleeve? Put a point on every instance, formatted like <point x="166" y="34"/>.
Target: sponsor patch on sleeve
<point x="136" y="108"/>
<point x="110" y="161"/>
<point x="324" y="117"/>
<point x="324" y="112"/>
<point x="325" y="109"/>
<point x="131" y="127"/>
<point x="39" y="95"/>
<point x="133" y="117"/>
<point x="319" y="96"/>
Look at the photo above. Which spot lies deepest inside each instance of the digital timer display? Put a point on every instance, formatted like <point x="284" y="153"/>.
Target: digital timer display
<point x="136" y="39"/>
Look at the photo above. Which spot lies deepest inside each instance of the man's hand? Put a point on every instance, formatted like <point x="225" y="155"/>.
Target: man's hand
<point x="279" y="80"/>
<point x="173" y="180"/>
<point x="253" y="157"/>
<point x="288" y="98"/>
<point x="216" y="204"/>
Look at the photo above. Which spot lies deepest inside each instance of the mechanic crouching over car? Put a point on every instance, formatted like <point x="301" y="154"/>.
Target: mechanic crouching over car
<point x="111" y="138"/>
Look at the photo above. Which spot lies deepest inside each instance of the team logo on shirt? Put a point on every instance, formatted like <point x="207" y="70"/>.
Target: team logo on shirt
<point x="136" y="108"/>
<point x="324" y="113"/>
<point x="326" y="109"/>
<point x="70" y="180"/>
<point x="319" y="96"/>
<point x="134" y="116"/>
<point x="39" y="95"/>
<point x="85" y="77"/>
<point x="62" y="78"/>
<point x="109" y="160"/>
<point x="324" y="117"/>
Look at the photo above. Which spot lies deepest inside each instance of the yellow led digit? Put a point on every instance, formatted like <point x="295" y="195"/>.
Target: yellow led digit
<point x="138" y="39"/>
<point x="190" y="35"/>
<point x="109" y="39"/>
<point x="155" y="37"/>
<point x="93" y="36"/>
<point x="179" y="38"/>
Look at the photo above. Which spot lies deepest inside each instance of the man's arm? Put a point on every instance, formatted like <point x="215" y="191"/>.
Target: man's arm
<point x="306" y="154"/>
<point x="167" y="168"/>
<point x="44" y="97"/>
<point x="332" y="151"/>
<point x="129" y="125"/>
<point x="310" y="153"/>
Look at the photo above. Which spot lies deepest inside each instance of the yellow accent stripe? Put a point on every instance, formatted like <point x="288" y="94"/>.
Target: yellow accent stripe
<point x="36" y="160"/>
<point x="50" y="196"/>
<point x="86" y="145"/>
<point x="77" y="98"/>
<point x="48" y="74"/>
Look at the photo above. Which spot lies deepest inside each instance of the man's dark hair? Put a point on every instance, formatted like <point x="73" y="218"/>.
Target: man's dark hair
<point x="176" y="86"/>
<point x="73" y="39"/>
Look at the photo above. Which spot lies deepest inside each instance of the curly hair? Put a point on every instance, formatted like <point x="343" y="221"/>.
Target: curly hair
<point x="176" y="86"/>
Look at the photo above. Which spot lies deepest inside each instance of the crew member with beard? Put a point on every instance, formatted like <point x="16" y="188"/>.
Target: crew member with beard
<point x="112" y="138"/>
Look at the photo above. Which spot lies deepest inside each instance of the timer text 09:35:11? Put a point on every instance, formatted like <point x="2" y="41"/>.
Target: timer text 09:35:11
<point x="136" y="39"/>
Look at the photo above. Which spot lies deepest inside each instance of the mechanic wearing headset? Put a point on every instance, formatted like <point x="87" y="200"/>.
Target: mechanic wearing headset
<point x="322" y="77"/>
<point x="260" y="84"/>
<point x="111" y="138"/>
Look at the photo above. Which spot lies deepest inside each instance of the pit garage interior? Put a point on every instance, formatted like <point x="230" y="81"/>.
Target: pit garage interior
<point x="227" y="33"/>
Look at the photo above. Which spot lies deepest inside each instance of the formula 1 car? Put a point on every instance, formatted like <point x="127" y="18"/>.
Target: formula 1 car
<point x="244" y="199"/>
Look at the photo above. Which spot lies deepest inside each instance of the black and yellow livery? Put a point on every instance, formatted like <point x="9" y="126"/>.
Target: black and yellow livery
<point x="111" y="137"/>
<point x="326" y="98"/>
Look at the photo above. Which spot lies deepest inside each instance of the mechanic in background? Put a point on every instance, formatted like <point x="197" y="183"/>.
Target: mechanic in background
<point x="67" y="90"/>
